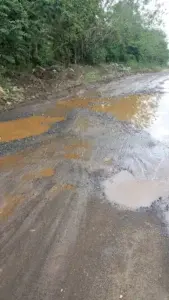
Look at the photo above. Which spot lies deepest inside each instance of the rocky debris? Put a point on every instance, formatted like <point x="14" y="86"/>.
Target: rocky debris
<point x="2" y="92"/>
<point x="39" y="72"/>
<point x="10" y="95"/>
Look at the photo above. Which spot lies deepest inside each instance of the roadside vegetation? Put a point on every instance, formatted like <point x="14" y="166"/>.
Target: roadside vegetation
<point x="44" y="33"/>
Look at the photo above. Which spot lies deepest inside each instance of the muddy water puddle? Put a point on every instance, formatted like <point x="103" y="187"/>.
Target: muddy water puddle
<point x="145" y="111"/>
<point x="149" y="112"/>
<point x="26" y="127"/>
<point x="138" y="109"/>
<point x="128" y="192"/>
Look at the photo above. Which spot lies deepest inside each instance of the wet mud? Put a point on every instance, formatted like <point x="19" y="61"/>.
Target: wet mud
<point x="84" y="202"/>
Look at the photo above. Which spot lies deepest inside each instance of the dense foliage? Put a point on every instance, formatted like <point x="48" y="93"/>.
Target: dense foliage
<point x="74" y="31"/>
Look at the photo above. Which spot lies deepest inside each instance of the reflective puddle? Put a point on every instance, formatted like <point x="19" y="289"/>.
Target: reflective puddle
<point x="128" y="192"/>
<point x="150" y="112"/>
<point x="22" y="128"/>
<point x="138" y="109"/>
<point x="159" y="125"/>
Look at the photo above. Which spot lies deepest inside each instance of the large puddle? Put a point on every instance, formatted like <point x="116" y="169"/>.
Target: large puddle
<point x="139" y="109"/>
<point x="127" y="191"/>
<point x="149" y="112"/>
<point x="22" y="128"/>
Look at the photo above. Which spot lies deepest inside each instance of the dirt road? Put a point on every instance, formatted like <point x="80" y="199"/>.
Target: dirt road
<point x="84" y="207"/>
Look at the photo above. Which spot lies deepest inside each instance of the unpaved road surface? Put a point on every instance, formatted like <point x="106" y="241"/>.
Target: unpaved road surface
<point x="84" y="184"/>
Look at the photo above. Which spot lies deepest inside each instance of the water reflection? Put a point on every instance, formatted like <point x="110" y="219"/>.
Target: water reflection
<point x="140" y="110"/>
<point x="125" y="190"/>
<point x="146" y="111"/>
<point x="137" y="109"/>
<point x="159" y="126"/>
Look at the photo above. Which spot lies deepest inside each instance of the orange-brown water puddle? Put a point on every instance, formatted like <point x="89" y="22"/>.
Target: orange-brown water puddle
<point x="11" y="202"/>
<point x="22" y="128"/>
<point x="139" y="109"/>
<point x="148" y="111"/>
<point x="48" y="172"/>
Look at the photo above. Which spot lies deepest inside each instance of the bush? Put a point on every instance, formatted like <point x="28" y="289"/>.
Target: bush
<point x="74" y="31"/>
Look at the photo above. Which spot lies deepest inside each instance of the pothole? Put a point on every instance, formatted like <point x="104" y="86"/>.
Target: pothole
<point x="127" y="191"/>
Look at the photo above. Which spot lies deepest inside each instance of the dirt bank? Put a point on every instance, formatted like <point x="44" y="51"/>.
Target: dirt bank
<point x="42" y="84"/>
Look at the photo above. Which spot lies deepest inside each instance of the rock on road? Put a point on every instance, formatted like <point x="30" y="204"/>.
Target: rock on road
<point x="84" y="202"/>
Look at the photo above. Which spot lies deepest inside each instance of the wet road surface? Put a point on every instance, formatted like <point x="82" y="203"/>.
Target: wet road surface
<point x="84" y="202"/>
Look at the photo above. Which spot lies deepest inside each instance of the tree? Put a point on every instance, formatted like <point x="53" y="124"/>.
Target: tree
<point x="74" y="31"/>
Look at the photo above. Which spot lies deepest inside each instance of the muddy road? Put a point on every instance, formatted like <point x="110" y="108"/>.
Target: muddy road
<point x="84" y="202"/>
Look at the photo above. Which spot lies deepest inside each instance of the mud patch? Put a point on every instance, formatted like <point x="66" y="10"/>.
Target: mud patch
<point x="82" y="124"/>
<point x="68" y="187"/>
<point x="11" y="202"/>
<point x="77" y="150"/>
<point x="48" y="172"/>
<point x="11" y="161"/>
<point x="75" y="145"/>
<point x="73" y="156"/>
<point x="64" y="187"/>
<point x="128" y="192"/>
